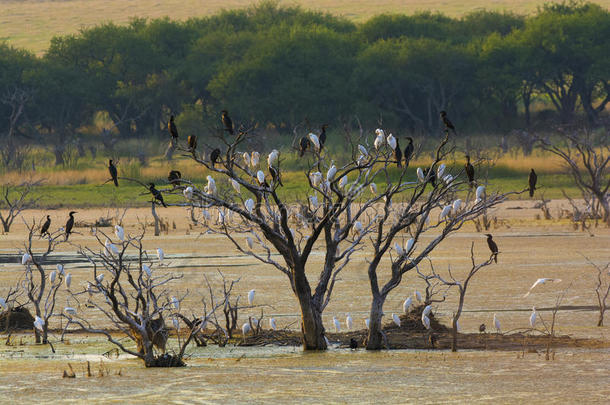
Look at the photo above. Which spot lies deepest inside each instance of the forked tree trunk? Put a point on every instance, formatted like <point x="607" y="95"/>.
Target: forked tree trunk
<point x="375" y="338"/>
<point x="311" y="317"/>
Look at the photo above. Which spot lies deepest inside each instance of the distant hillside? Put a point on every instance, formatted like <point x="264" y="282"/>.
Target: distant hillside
<point x="31" y="23"/>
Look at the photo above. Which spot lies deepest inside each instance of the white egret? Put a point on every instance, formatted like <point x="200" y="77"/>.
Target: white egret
<point x="176" y="324"/>
<point x="533" y="317"/>
<point x="497" y="324"/>
<point x="349" y="322"/>
<point x="541" y="281"/>
<point x="60" y="268"/>
<point x="363" y="150"/>
<point x="417" y="296"/>
<point x="273" y="158"/>
<point x="406" y="305"/>
<point x="427" y="310"/>
<point x="70" y="310"/>
<point x="206" y="214"/>
<point x="52" y="276"/>
<point x="420" y="175"/>
<point x="314" y="201"/>
<point x="188" y="193"/>
<point x="119" y="232"/>
<point x="26" y="258"/>
<point x="396" y="319"/>
<point x="399" y="250"/>
<point x="160" y="255"/>
<point x="68" y="280"/>
<point x="330" y="174"/>
<point x="111" y="249"/>
<point x="327" y="341"/>
<point x="425" y="321"/>
<point x="175" y="302"/>
<point x="3" y="303"/>
<point x="39" y="323"/>
<point x="246" y="157"/>
<point x="249" y="203"/>
<point x="337" y="324"/>
<point x="446" y="210"/>
<point x="272" y="324"/>
<point x="457" y="204"/>
<point x="254" y="159"/>
<point x="315" y="141"/>
<point x="391" y="141"/>
<point x="251" y="297"/>
<point x="211" y="187"/>
<point x="250" y="242"/>
<point x="235" y="185"/>
<point x="440" y="170"/>
<point x="245" y="328"/>
<point x="410" y="244"/>
<point x="260" y="177"/>
<point x="147" y="270"/>
<point x="100" y="278"/>
<point x="343" y="182"/>
<point x="480" y="191"/>
<point x="373" y="188"/>
<point x="379" y="140"/>
<point x="367" y="322"/>
<point x="316" y="178"/>
<point x="221" y="216"/>
<point x="448" y="179"/>
<point x="357" y="227"/>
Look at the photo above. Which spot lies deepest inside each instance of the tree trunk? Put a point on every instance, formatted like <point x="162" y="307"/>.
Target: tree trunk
<point x="600" y="321"/>
<point x="311" y="317"/>
<point x="156" y="218"/>
<point x="375" y="338"/>
<point x="454" y="335"/>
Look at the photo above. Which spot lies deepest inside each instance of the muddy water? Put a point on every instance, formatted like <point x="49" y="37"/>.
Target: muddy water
<point x="529" y="249"/>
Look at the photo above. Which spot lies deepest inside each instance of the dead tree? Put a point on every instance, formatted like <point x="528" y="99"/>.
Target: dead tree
<point x="135" y="299"/>
<point x="15" y="201"/>
<point x="39" y="282"/>
<point x="413" y="218"/>
<point x="602" y="288"/>
<point x="337" y="201"/>
<point x="587" y="160"/>
<point x="13" y="153"/>
<point x="462" y="287"/>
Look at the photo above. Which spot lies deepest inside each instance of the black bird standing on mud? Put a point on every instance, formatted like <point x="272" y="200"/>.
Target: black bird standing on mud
<point x="532" y="182"/>
<point x="447" y="122"/>
<point x="409" y="151"/>
<point x="171" y="126"/>
<point x="113" y="173"/>
<point x="214" y="156"/>
<point x="482" y="328"/>
<point x="353" y="344"/>
<point x="492" y="246"/>
<point x="174" y="177"/>
<point x="70" y="224"/>
<point x="398" y="154"/>
<point x="303" y="145"/>
<point x="192" y="142"/>
<point x="227" y="122"/>
<point x="469" y="170"/>
<point x="45" y="227"/>
<point x="156" y="194"/>
<point x="322" y="136"/>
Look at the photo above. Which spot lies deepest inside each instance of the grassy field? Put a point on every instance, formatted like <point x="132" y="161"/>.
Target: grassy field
<point x="32" y="23"/>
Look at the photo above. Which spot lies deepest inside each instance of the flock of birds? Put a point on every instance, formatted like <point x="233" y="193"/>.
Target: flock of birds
<point x="316" y="142"/>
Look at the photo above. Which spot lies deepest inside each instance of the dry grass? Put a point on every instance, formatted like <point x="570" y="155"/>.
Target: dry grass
<point x="31" y="23"/>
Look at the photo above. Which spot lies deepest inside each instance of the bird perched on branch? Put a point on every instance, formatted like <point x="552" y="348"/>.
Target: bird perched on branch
<point x="214" y="156"/>
<point x="192" y="142"/>
<point x="432" y="178"/>
<point x="156" y="194"/>
<point x="174" y="177"/>
<point x="532" y="182"/>
<point x="70" y="224"/>
<point x="322" y="137"/>
<point x="398" y="154"/>
<point x="113" y="173"/>
<point x="227" y="122"/>
<point x="409" y="151"/>
<point x="469" y="171"/>
<point x="492" y="246"/>
<point x="171" y="126"/>
<point x="303" y="145"/>
<point x="45" y="227"/>
<point x="447" y="122"/>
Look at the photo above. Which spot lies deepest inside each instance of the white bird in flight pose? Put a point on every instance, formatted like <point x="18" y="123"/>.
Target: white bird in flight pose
<point x="541" y="281"/>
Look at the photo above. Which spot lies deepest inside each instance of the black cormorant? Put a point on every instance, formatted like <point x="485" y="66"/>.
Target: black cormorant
<point x="156" y="194"/>
<point x="214" y="156"/>
<point x="70" y="224"/>
<point x="226" y="122"/>
<point x="303" y="145"/>
<point x="171" y="126"/>
<point x="492" y="246"/>
<point x="532" y="182"/>
<point x="113" y="173"/>
<point x="322" y="136"/>
<point x="469" y="170"/>
<point x="398" y="154"/>
<point x="174" y="177"/>
<point x="45" y="226"/>
<point x="409" y="151"/>
<point x="192" y="142"/>
<point x="448" y="124"/>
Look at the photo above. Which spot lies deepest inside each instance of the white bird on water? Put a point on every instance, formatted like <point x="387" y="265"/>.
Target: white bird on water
<point x="251" y="297"/>
<point x="417" y="296"/>
<point x="119" y="232"/>
<point x="396" y="319"/>
<point x="541" y="281"/>
<point x="337" y="324"/>
<point x="349" y="322"/>
<point x="272" y="324"/>
<point x="160" y="255"/>
<point x="407" y="304"/>
<point x="497" y="324"/>
<point x="533" y="318"/>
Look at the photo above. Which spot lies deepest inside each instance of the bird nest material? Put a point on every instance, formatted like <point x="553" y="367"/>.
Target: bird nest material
<point x="167" y="360"/>
<point x="16" y="319"/>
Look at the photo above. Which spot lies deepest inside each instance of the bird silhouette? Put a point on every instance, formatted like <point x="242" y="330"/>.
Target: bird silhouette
<point x="156" y="194"/>
<point x="409" y="151"/>
<point x="113" y="173"/>
<point x="214" y="156"/>
<point x="70" y="224"/>
<point x="492" y="246"/>
<point x="174" y="177"/>
<point x="227" y="122"/>
<point x="353" y="344"/>
<point x="447" y="122"/>
<point x="322" y="137"/>
<point x="192" y="142"/>
<point x="171" y="126"/>
<point x="532" y="182"/>
<point x="482" y="328"/>
<point x="303" y="145"/>
<point x="469" y="171"/>
<point x="398" y="154"/>
<point x="45" y="227"/>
